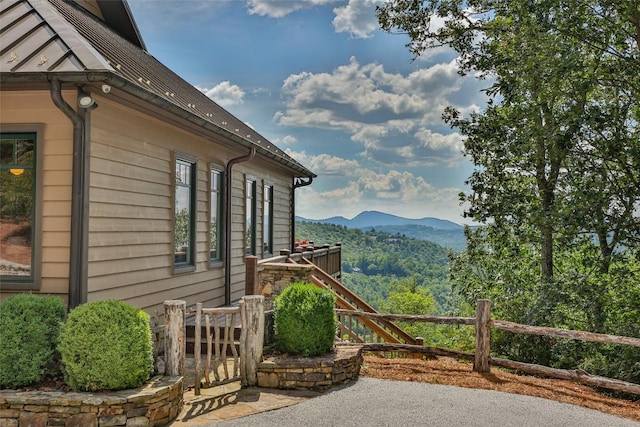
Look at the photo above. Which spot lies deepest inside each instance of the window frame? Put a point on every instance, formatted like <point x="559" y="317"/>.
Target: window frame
<point x="267" y="215"/>
<point x="34" y="280"/>
<point x="189" y="265"/>
<point x="250" y="205"/>
<point x="220" y="219"/>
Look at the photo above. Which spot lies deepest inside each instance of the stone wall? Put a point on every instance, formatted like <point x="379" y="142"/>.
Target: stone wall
<point x="311" y="373"/>
<point x="274" y="277"/>
<point x="155" y="404"/>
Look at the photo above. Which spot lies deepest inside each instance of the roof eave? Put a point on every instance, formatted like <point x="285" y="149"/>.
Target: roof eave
<point x="114" y="80"/>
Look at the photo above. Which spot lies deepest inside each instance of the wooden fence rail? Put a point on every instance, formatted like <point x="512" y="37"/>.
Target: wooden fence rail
<point x="482" y="359"/>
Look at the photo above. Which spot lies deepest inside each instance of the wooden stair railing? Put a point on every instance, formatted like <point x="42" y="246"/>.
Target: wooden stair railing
<point x="344" y="304"/>
<point x="346" y="299"/>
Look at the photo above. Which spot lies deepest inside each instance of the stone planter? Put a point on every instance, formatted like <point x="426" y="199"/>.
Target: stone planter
<point x="156" y="403"/>
<point x="310" y="373"/>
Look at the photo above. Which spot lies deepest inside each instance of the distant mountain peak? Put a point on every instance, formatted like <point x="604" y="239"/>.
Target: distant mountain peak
<point x="368" y="219"/>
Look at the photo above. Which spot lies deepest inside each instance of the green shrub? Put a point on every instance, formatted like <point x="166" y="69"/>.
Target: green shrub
<point x="305" y="321"/>
<point x="106" y="345"/>
<point x="29" y="330"/>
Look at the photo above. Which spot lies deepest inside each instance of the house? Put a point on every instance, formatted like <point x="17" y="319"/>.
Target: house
<point x="118" y="178"/>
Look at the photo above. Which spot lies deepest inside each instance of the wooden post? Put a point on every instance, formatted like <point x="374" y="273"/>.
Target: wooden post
<point x="252" y="311"/>
<point x="175" y="343"/>
<point x="420" y="342"/>
<point x="483" y="336"/>
<point x="196" y="347"/>
<point x="251" y="276"/>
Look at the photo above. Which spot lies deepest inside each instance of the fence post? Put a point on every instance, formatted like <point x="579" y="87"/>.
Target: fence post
<point x="483" y="336"/>
<point x="252" y="314"/>
<point x="251" y="275"/>
<point x="197" y="347"/>
<point x="175" y="349"/>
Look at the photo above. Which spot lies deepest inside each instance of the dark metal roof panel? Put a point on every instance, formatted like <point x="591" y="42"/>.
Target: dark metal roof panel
<point x="34" y="38"/>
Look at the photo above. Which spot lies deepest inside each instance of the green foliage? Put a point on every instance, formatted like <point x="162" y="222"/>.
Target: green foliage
<point x="106" y="345"/>
<point x="399" y="274"/>
<point x="581" y="297"/>
<point x="29" y="330"/>
<point x="407" y="298"/>
<point x="557" y="170"/>
<point x="372" y="261"/>
<point x="305" y="321"/>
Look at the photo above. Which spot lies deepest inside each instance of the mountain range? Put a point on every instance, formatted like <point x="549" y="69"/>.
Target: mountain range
<point x="445" y="233"/>
<point x="369" y="219"/>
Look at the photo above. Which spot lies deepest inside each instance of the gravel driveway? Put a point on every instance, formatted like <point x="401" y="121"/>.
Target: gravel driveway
<point x="372" y="402"/>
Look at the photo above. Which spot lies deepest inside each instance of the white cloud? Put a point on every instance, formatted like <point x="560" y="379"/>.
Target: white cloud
<point x="348" y="184"/>
<point x="225" y="94"/>
<point x="280" y="8"/>
<point x="357" y="18"/>
<point x="389" y="114"/>
<point x="285" y="140"/>
<point x="326" y="164"/>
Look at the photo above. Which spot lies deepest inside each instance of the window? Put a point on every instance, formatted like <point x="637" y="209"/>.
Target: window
<point x="215" y="214"/>
<point x="267" y="218"/>
<point x="184" y="215"/>
<point x="250" y="217"/>
<point x="18" y="203"/>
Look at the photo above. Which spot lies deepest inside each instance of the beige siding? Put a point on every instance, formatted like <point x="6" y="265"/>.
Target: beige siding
<point x="131" y="204"/>
<point x="282" y="216"/>
<point x="131" y="228"/>
<point x="36" y="107"/>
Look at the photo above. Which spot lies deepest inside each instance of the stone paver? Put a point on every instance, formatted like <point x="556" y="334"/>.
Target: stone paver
<point x="215" y="405"/>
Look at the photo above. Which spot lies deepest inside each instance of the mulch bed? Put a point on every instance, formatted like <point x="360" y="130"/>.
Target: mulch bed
<point x="448" y="371"/>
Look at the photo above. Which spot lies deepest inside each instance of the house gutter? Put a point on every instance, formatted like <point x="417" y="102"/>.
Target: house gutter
<point x="297" y="183"/>
<point x="227" y="222"/>
<point x="79" y="196"/>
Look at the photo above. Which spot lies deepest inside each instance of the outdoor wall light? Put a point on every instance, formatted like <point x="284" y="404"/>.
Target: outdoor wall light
<point x="86" y="102"/>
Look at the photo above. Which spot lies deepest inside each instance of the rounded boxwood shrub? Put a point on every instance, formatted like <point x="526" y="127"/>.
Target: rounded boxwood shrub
<point x="106" y="345"/>
<point x="29" y="330"/>
<point x="305" y="321"/>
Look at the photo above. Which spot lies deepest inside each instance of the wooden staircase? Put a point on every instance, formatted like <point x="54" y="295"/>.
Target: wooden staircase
<point x="358" y="329"/>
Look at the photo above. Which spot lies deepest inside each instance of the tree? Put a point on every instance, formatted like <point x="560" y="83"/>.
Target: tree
<point x="557" y="156"/>
<point x="565" y="87"/>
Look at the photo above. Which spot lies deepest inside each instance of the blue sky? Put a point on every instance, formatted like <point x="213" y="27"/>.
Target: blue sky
<point x="323" y="82"/>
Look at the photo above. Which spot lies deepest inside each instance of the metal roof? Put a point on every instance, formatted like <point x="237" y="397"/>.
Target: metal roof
<point x="57" y="37"/>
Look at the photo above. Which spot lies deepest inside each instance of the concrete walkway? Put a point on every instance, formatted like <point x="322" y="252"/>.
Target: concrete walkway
<point x="372" y="402"/>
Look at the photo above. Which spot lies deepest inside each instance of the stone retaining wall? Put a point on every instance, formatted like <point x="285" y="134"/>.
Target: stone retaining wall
<point x="311" y="373"/>
<point x="156" y="403"/>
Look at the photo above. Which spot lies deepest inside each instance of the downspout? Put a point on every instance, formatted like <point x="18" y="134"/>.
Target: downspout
<point x="298" y="182"/>
<point x="227" y="222"/>
<point x="78" y="240"/>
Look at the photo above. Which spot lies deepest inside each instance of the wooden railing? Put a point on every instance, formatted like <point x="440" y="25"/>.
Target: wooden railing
<point x="225" y="319"/>
<point x="359" y="329"/>
<point x="326" y="257"/>
<point x="482" y="359"/>
<point x="246" y="351"/>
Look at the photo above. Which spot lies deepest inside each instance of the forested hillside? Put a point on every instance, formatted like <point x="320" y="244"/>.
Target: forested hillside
<point x="376" y="264"/>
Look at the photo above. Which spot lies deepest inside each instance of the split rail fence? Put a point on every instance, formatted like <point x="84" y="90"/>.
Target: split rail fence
<point x="482" y="359"/>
